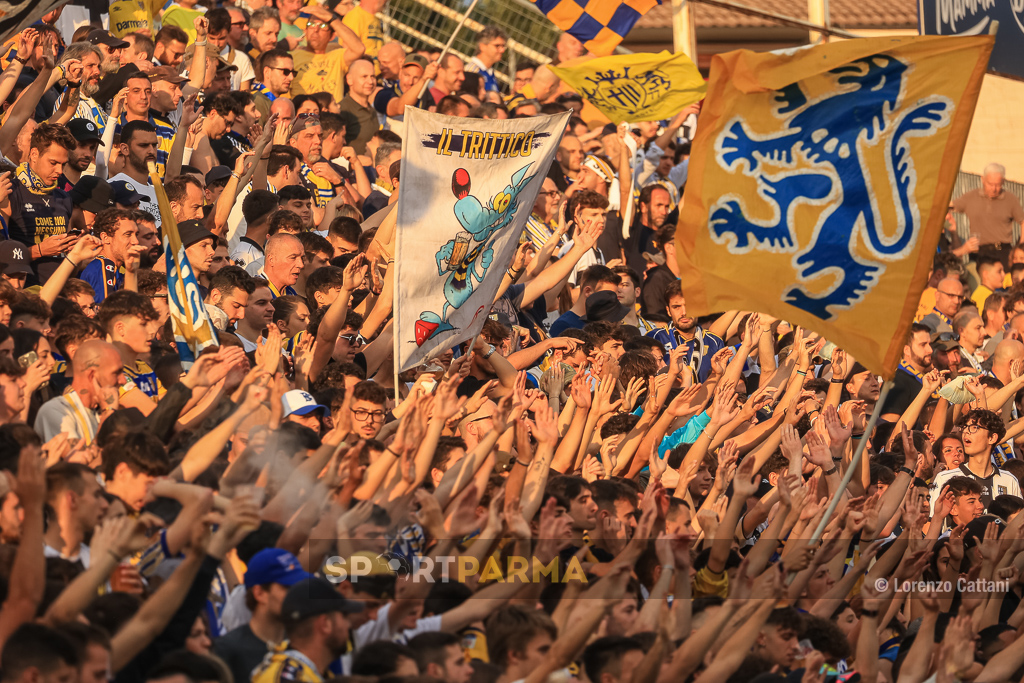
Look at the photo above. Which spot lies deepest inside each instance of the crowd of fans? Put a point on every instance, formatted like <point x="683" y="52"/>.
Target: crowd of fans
<point x="601" y="488"/>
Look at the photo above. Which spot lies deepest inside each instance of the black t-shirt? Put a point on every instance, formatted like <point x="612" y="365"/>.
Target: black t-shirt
<point x="653" y="301"/>
<point x="34" y="217"/>
<point x="905" y="387"/>
<point x="242" y="650"/>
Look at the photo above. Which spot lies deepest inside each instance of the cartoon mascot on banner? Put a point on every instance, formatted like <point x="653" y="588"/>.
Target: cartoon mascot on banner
<point x="458" y="257"/>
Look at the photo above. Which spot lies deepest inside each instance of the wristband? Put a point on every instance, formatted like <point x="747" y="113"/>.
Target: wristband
<point x="20" y="60"/>
<point x="75" y="85"/>
<point x="837" y="459"/>
<point x="524" y="464"/>
<point x="388" y="449"/>
<point x="905" y="469"/>
<point x="202" y="44"/>
<point x="836" y="381"/>
<point x="68" y="259"/>
<point x="668" y="567"/>
<point x="831" y="471"/>
<point x="802" y="372"/>
<point x="873" y="613"/>
<point x="857" y="436"/>
<point x="235" y="176"/>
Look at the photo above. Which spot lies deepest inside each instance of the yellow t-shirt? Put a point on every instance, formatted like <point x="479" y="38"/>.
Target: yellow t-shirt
<point x="368" y="27"/>
<point x="183" y="19"/>
<point x="927" y="303"/>
<point x="980" y="295"/>
<point x="129" y="16"/>
<point x="319" y="73"/>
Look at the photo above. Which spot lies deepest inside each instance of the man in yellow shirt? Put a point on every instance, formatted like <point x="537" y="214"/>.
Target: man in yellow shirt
<point x="365" y="24"/>
<point x="991" y="274"/>
<point x="183" y="14"/>
<point x="317" y="628"/>
<point x="321" y="66"/>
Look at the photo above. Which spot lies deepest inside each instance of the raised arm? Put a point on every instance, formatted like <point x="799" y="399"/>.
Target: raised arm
<point x="28" y="575"/>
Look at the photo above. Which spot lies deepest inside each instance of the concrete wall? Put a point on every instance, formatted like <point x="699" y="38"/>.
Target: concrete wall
<point x="996" y="128"/>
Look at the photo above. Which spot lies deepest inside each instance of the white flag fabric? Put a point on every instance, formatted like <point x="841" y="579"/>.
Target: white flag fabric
<point x="467" y="188"/>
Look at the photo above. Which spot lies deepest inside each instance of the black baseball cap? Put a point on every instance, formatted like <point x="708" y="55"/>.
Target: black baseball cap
<point x="125" y="193"/>
<point x="84" y="130"/>
<point x="605" y="306"/>
<point x="193" y="231"/>
<point x="100" y="37"/>
<point x="14" y="258"/>
<point x="92" y="194"/>
<point x="217" y="173"/>
<point x="313" y="597"/>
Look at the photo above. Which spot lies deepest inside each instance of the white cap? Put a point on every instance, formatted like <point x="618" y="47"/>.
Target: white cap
<point x="298" y="402"/>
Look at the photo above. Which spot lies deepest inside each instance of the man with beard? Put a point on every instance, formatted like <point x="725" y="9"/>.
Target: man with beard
<point x="317" y="629"/>
<point x="702" y="344"/>
<point x="119" y="236"/>
<point x="90" y="58"/>
<point x="149" y="237"/>
<point x="138" y="148"/>
<point x="110" y="47"/>
<point x="654" y="204"/>
<point x="38" y="212"/>
<point x="274" y="74"/>
<point x="916" y="363"/>
<point x="87" y="135"/>
<point x="570" y="160"/>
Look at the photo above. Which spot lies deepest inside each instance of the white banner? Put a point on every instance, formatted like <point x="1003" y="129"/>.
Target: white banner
<point x="467" y="189"/>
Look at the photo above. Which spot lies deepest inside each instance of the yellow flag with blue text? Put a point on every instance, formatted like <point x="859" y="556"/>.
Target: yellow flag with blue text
<point x="637" y="87"/>
<point x="819" y="182"/>
<point x="193" y="330"/>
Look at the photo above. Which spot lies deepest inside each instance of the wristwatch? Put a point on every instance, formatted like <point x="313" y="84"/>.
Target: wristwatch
<point x="490" y="351"/>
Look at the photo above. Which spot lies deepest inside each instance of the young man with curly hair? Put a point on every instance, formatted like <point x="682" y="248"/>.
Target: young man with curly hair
<point x="981" y="431"/>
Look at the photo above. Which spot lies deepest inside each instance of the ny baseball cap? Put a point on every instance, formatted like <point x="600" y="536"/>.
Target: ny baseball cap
<point x="312" y="597"/>
<point x="125" y="193"/>
<point x="298" y="402"/>
<point x="274" y="565"/>
<point x="14" y="258"/>
<point x="84" y="130"/>
<point x="92" y="194"/>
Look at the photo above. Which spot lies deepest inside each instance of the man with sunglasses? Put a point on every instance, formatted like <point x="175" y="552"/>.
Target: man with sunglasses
<point x="981" y="431"/>
<point x="949" y="294"/>
<point x="275" y="72"/>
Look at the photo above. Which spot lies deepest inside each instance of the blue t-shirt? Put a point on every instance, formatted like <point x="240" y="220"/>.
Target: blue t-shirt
<point x="104" y="276"/>
<point x="567" y="321"/>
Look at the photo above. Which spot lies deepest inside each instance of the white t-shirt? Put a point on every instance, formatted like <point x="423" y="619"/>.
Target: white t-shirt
<point x="149" y="203"/>
<point x="241" y="60"/>
<point x="67" y="414"/>
<point x="246" y="252"/>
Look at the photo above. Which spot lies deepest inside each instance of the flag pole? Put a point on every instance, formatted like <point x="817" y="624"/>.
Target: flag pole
<point x="858" y="453"/>
<point x="440" y="60"/>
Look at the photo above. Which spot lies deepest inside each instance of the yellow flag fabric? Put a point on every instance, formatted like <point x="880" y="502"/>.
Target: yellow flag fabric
<point x="819" y="182"/>
<point x="193" y="330"/>
<point x="599" y="24"/>
<point x="637" y="87"/>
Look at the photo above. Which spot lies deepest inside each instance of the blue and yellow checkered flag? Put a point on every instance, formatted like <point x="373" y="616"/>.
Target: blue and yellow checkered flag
<point x="193" y="330"/>
<point x="639" y="87"/>
<point x="599" y="24"/>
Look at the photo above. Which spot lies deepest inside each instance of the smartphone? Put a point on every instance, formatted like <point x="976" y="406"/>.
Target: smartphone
<point x="27" y="359"/>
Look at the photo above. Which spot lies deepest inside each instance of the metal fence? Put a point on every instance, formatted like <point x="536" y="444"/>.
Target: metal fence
<point x="427" y="24"/>
<point x="965" y="182"/>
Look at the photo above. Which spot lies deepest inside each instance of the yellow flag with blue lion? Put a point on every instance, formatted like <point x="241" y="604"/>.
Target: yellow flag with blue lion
<point x="819" y="182"/>
<point x="637" y="87"/>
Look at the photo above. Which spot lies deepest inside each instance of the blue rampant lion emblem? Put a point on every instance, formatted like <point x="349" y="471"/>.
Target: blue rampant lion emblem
<point x="818" y="152"/>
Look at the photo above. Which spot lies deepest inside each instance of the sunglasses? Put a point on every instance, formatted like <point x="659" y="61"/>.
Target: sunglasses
<point x="286" y="72"/>
<point x="354" y="339"/>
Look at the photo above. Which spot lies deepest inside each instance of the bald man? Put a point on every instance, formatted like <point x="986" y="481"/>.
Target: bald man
<point x="390" y="59"/>
<point x="544" y="84"/>
<point x="1007" y="352"/>
<point x="283" y="263"/>
<point x="99" y="374"/>
<point x="949" y="295"/>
